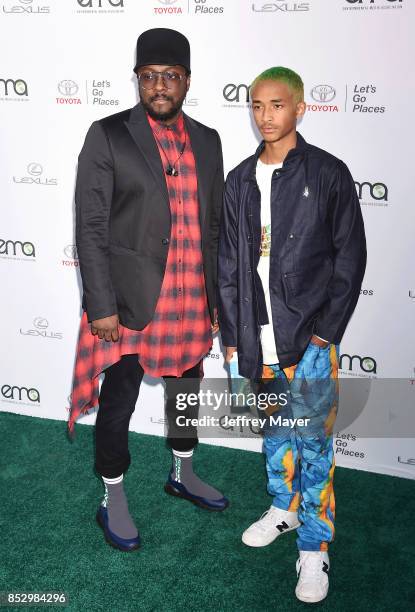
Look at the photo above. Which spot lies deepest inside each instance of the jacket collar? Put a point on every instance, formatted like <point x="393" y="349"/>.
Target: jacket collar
<point x="294" y="155"/>
<point x="140" y="130"/>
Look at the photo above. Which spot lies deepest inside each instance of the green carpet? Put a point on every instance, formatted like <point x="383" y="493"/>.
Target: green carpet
<point x="190" y="559"/>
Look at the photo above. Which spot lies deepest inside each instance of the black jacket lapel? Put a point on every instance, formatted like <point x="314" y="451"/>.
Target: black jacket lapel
<point x="199" y="150"/>
<point x="142" y="135"/>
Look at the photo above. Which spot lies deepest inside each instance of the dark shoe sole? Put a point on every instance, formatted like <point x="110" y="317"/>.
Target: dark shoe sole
<point x="110" y="542"/>
<point x="175" y="493"/>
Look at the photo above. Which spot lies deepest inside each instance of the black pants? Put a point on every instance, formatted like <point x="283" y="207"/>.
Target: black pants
<point x="117" y="399"/>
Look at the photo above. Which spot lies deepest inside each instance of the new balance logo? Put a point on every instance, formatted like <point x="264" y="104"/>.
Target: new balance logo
<point x="325" y="568"/>
<point x="282" y="527"/>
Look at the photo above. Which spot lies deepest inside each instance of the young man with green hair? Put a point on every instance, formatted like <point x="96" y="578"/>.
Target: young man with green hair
<point x="292" y="256"/>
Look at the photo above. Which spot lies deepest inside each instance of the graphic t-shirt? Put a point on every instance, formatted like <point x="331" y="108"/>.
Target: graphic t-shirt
<point x="264" y="177"/>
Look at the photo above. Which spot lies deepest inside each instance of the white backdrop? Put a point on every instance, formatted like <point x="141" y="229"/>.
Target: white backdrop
<point x="67" y="63"/>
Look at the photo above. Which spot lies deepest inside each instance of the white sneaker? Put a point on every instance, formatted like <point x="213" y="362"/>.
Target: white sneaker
<point x="272" y="523"/>
<point x="313" y="570"/>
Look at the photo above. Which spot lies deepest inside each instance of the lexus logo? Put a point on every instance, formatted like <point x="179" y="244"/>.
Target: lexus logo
<point x="35" y="169"/>
<point x="408" y="461"/>
<point x="68" y="88"/>
<point x="40" y="323"/>
<point x="323" y="93"/>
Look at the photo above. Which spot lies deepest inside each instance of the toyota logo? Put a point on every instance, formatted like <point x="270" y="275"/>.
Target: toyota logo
<point x="323" y="93"/>
<point x="70" y="251"/>
<point x="168" y="1"/>
<point x="68" y="88"/>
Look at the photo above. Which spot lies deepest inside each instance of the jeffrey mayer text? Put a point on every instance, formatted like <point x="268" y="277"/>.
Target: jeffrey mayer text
<point x="240" y="420"/>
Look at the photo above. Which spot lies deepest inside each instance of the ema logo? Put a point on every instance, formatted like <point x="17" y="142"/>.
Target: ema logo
<point x="68" y="88"/>
<point x="323" y="94"/>
<point x="236" y="93"/>
<point x="8" y="86"/>
<point x="365" y="4"/>
<point x="378" y="193"/>
<point x="101" y="3"/>
<point x="366" y="364"/>
<point x="20" y="394"/>
<point x="35" y="170"/>
<point x="27" y="7"/>
<point x="284" y="7"/>
<point x="14" y="249"/>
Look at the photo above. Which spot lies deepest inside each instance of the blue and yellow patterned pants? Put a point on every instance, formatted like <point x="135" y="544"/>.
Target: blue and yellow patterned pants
<point x="299" y="458"/>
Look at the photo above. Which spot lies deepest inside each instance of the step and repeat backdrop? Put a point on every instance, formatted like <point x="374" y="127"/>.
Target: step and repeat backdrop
<point x="67" y="63"/>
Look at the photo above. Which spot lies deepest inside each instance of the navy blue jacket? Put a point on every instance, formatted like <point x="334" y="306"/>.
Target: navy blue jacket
<point x="318" y="255"/>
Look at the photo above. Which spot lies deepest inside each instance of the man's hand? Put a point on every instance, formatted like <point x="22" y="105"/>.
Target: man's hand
<point x="229" y="353"/>
<point x="319" y="341"/>
<point x="106" y="328"/>
<point x="215" y="324"/>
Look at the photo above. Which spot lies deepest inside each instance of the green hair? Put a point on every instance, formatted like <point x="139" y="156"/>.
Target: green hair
<point x="285" y="75"/>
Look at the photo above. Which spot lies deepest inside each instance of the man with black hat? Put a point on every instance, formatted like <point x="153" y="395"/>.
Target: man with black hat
<point x="148" y="201"/>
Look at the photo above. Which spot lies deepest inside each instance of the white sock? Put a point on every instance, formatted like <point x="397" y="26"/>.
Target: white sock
<point x="182" y="471"/>
<point x="113" y="480"/>
<point x="183" y="454"/>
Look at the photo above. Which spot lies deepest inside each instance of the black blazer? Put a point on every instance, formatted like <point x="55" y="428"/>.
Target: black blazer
<point x="123" y="216"/>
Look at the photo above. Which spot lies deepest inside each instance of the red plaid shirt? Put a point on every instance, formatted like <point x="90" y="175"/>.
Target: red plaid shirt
<point x="179" y="335"/>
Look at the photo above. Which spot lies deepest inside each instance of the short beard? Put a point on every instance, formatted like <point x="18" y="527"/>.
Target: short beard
<point x="163" y="116"/>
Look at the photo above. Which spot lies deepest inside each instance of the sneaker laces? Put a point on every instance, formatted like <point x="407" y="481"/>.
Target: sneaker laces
<point x="266" y="520"/>
<point x="310" y="566"/>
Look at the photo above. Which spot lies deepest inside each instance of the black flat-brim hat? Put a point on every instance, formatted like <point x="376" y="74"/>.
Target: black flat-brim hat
<point x="162" y="46"/>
